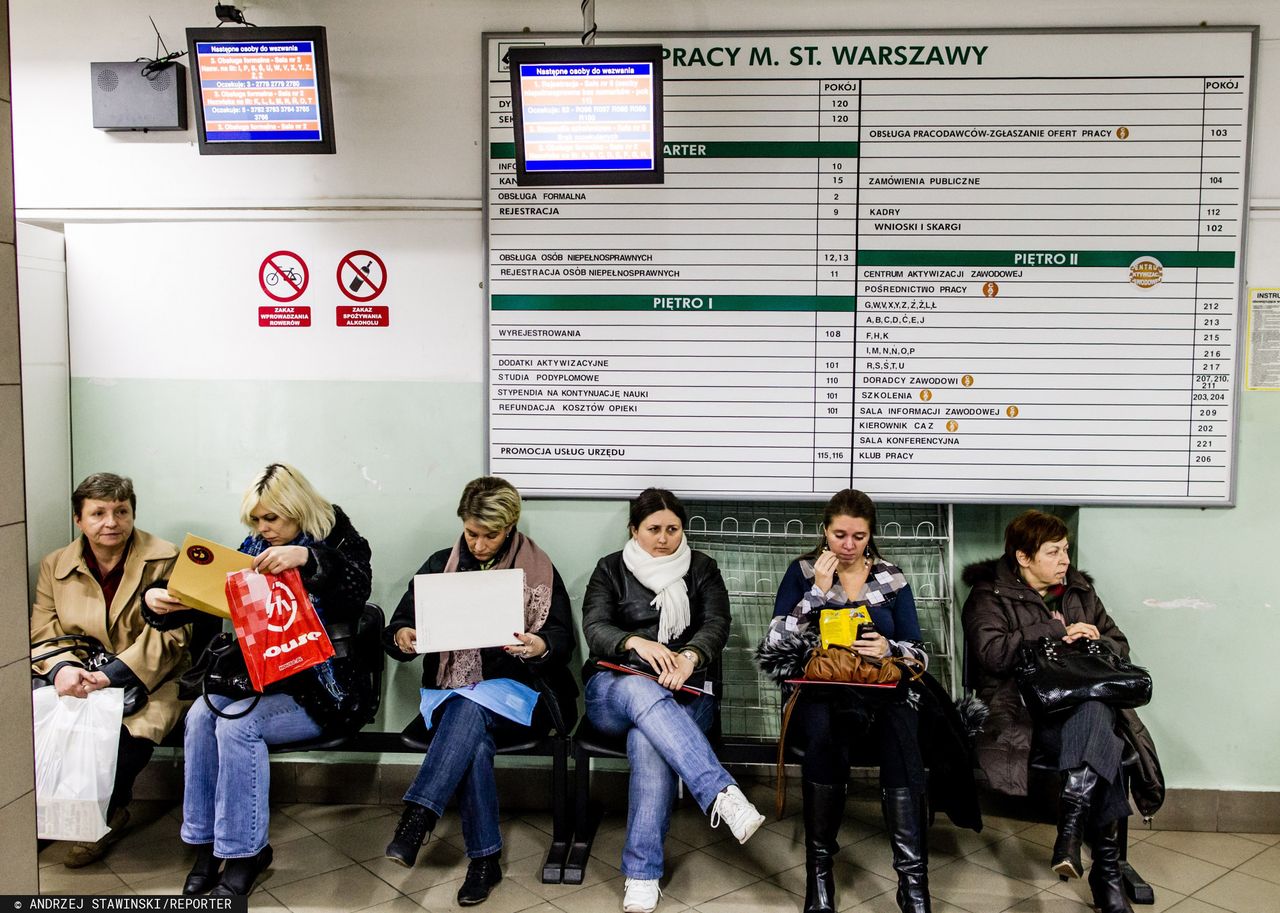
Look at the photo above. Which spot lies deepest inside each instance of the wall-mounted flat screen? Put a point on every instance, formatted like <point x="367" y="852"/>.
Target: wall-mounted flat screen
<point x="262" y="91"/>
<point x="587" y="115"/>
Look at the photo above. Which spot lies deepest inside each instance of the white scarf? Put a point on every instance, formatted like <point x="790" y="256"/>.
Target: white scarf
<point x="665" y="576"/>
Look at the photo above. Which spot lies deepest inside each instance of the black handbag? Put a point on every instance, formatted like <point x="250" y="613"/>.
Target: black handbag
<point x="91" y="654"/>
<point x="1053" y="676"/>
<point x="220" y="670"/>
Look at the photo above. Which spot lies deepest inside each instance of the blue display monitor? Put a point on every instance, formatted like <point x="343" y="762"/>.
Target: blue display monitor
<point x="262" y="90"/>
<point x="587" y="115"/>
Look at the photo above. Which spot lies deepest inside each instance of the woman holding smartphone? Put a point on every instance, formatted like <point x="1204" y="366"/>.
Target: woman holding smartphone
<point x="846" y="570"/>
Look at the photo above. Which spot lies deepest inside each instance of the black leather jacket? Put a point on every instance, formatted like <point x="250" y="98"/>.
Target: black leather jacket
<point x="617" y="605"/>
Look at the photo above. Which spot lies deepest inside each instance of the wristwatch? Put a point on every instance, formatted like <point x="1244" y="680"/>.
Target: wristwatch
<point x="690" y="655"/>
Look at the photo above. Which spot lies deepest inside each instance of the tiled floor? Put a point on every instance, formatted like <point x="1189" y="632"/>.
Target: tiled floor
<point x="329" y="858"/>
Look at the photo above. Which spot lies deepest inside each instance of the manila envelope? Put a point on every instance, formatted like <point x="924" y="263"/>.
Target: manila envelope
<point x="199" y="578"/>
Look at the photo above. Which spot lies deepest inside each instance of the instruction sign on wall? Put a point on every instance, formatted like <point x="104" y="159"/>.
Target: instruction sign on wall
<point x="945" y="266"/>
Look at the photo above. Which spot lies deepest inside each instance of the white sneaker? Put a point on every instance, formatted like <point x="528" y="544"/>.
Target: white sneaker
<point x="735" y="810"/>
<point x="641" y="895"/>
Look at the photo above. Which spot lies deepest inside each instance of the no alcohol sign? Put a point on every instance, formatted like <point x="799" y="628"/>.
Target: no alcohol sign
<point x="362" y="275"/>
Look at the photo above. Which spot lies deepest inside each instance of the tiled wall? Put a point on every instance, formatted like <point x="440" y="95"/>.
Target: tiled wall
<point x="17" y="783"/>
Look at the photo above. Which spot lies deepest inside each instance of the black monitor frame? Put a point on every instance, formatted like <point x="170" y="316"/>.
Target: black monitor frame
<point x="313" y="33"/>
<point x="576" y="54"/>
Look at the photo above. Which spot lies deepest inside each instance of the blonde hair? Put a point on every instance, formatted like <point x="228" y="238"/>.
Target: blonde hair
<point x="492" y="502"/>
<point x="282" y="489"/>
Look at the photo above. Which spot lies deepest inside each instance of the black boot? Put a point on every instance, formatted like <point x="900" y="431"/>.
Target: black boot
<point x="905" y="816"/>
<point x="204" y="874"/>
<point x="416" y="821"/>
<point x="823" y="812"/>
<point x="1073" y="809"/>
<point x="482" y="875"/>
<point x="239" y="876"/>
<point x="1105" y="878"/>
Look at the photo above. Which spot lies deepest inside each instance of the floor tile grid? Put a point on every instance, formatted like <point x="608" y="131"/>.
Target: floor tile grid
<point x="329" y="858"/>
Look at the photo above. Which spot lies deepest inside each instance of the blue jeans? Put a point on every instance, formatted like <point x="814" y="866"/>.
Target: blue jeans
<point x="228" y="774"/>
<point x="460" y="759"/>
<point x="665" y="740"/>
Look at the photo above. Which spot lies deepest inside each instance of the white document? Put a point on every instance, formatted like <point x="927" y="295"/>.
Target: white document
<point x="468" y="611"/>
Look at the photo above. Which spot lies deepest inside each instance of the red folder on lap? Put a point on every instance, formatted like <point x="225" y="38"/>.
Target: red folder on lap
<point x="810" y="681"/>
<point x="632" y="670"/>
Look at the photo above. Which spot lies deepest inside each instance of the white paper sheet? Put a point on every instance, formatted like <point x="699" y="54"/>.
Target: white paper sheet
<point x="468" y="611"/>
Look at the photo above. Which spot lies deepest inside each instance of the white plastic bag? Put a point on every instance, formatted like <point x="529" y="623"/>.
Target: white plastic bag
<point x="77" y="741"/>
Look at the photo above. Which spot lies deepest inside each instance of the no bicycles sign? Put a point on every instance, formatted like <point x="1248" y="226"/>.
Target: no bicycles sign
<point x="283" y="276"/>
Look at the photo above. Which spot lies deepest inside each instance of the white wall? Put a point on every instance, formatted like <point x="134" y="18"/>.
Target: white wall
<point x="406" y="88"/>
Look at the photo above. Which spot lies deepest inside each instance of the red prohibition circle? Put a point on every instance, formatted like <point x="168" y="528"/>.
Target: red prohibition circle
<point x="365" y="288"/>
<point x="279" y="281"/>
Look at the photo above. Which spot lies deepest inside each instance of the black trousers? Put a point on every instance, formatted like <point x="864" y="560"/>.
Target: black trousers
<point x="133" y="755"/>
<point x="1086" y="735"/>
<point x="834" y="725"/>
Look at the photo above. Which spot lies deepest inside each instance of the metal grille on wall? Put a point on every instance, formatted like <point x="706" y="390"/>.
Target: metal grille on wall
<point x="755" y="542"/>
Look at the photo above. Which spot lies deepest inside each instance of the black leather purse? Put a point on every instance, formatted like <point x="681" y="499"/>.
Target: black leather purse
<point x="1055" y="676"/>
<point x="91" y="654"/>
<point x="219" y="670"/>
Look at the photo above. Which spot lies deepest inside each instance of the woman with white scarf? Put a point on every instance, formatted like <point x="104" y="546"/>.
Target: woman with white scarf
<point x="661" y="607"/>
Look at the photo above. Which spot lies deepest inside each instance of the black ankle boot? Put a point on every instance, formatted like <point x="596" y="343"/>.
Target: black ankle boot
<point x="204" y="874"/>
<point x="1105" y="878"/>
<point x="823" y="812"/>
<point x="482" y="875"/>
<point x="239" y="876"/>
<point x="1073" y="809"/>
<point x="416" y="821"/>
<point x="904" y="815"/>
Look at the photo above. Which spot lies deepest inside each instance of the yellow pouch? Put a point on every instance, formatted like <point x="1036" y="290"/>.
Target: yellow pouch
<point x="839" y="627"/>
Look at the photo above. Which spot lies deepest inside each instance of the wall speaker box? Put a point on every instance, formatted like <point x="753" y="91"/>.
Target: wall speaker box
<point x="125" y="99"/>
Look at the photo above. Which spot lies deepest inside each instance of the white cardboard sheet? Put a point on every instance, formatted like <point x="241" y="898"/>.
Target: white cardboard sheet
<point x="468" y="611"/>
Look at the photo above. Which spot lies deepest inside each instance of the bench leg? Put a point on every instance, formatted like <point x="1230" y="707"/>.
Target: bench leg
<point x="586" y="818"/>
<point x="562" y="826"/>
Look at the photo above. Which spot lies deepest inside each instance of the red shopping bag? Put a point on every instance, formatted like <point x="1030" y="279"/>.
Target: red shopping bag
<point x="276" y="625"/>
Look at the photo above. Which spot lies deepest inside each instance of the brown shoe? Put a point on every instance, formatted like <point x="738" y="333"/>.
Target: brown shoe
<point x="83" y="854"/>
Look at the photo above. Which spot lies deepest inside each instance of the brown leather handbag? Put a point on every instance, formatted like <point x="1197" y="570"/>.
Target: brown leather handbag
<point x="838" y="665"/>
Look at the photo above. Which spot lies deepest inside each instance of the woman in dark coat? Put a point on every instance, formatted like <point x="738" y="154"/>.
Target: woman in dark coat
<point x="659" y="606"/>
<point x="225" y="808"/>
<point x="1032" y="592"/>
<point x="460" y="756"/>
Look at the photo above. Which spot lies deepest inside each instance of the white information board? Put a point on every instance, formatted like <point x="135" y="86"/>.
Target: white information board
<point x="948" y="266"/>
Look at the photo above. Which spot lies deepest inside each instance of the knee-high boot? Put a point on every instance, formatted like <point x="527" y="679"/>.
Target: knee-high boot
<point x="1073" y="808"/>
<point x="823" y="812"/>
<point x="905" y="816"/>
<point x="1105" y="878"/>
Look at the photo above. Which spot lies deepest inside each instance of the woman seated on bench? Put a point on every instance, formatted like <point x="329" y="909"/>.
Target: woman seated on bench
<point x="460" y="757"/>
<point x="1029" y="593"/>
<point x="658" y="605"/>
<point x="92" y="587"/>
<point x="226" y="769"/>
<point x="846" y="569"/>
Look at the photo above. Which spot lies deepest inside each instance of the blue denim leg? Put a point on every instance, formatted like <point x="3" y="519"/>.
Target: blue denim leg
<point x="665" y="739"/>
<point x="228" y="774"/>
<point x="460" y="759"/>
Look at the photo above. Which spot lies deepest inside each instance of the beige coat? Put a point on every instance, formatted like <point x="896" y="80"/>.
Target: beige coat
<point x="69" y="601"/>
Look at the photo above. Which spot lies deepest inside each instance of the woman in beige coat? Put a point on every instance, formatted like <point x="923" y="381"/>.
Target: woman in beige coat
<point x="94" y="586"/>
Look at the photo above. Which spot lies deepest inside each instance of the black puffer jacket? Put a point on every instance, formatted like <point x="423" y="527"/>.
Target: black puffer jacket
<point x="1002" y="613"/>
<point x="617" y="606"/>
